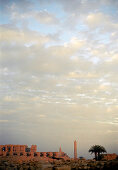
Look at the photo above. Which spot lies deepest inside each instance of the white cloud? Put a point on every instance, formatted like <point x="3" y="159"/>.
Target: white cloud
<point x="42" y="116"/>
<point x="101" y="21"/>
<point x="4" y="121"/>
<point x="45" y="17"/>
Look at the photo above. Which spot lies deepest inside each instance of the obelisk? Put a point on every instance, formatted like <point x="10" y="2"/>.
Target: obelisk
<point x="60" y="152"/>
<point x="75" y="149"/>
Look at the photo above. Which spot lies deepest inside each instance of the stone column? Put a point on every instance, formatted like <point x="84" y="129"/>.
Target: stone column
<point x="75" y="149"/>
<point x="50" y="154"/>
<point x="33" y="148"/>
<point x="56" y="154"/>
<point x="60" y="152"/>
<point x="44" y="154"/>
<point x="11" y="150"/>
<point x="18" y="150"/>
<point x="6" y="148"/>
<point x="1" y="150"/>
<point x="38" y="154"/>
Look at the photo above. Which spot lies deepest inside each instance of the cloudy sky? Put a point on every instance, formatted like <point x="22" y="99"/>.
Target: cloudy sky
<point x="59" y="74"/>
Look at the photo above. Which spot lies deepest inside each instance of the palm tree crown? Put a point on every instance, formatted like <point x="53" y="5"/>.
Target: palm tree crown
<point x="97" y="150"/>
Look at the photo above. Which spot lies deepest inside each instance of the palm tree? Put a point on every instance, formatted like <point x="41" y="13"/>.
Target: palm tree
<point x="97" y="150"/>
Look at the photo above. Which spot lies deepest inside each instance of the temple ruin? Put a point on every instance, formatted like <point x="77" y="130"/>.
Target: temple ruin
<point x="24" y="150"/>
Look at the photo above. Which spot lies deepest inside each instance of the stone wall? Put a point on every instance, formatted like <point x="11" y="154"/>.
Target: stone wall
<point x="25" y="152"/>
<point x="109" y="156"/>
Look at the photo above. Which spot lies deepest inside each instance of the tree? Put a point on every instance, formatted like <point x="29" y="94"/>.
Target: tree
<point x="97" y="150"/>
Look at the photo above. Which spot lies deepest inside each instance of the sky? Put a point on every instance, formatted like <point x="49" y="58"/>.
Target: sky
<point x="58" y="74"/>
